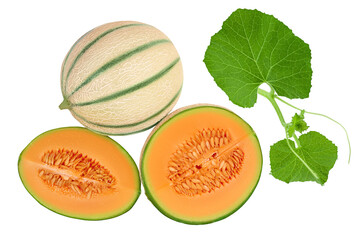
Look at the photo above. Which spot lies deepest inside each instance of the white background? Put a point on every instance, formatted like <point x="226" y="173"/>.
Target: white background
<point x="35" y="36"/>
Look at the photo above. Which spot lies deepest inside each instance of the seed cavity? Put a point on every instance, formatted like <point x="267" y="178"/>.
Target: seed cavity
<point x="74" y="173"/>
<point x="205" y="162"/>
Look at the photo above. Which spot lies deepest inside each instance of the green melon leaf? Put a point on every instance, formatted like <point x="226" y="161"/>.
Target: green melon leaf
<point x="254" y="48"/>
<point x="319" y="155"/>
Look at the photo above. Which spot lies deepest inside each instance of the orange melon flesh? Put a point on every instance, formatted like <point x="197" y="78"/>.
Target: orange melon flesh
<point x="208" y="206"/>
<point x="101" y="149"/>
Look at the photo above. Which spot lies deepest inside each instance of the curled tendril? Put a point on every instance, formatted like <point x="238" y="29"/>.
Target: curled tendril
<point x="321" y="115"/>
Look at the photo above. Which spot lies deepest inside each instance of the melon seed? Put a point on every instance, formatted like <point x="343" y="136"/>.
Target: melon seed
<point x="74" y="173"/>
<point x="205" y="162"/>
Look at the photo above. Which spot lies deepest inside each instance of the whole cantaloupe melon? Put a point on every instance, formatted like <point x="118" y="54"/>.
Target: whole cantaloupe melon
<point x="121" y="78"/>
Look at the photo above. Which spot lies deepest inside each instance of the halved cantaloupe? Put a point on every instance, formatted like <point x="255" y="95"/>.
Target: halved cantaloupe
<point x="200" y="164"/>
<point x="78" y="173"/>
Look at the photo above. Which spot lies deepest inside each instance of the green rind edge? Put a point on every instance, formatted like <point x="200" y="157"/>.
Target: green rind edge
<point x="152" y="199"/>
<point x="131" y="161"/>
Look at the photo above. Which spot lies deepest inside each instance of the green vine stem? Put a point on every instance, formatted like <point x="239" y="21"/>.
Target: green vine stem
<point x="322" y="115"/>
<point x="296" y="140"/>
<point x="271" y="97"/>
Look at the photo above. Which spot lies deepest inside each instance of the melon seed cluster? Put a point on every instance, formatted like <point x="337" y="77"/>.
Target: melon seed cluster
<point x="204" y="163"/>
<point x="75" y="173"/>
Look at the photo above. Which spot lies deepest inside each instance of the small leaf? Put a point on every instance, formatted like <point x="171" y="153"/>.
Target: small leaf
<point x="254" y="48"/>
<point x="298" y="122"/>
<point x="318" y="153"/>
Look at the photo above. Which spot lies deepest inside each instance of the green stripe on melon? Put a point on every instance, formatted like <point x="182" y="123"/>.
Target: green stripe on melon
<point x="116" y="60"/>
<point x="95" y="41"/>
<point x="65" y="62"/>
<point x="86" y="48"/>
<point x="121" y="82"/>
<point x="129" y="125"/>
